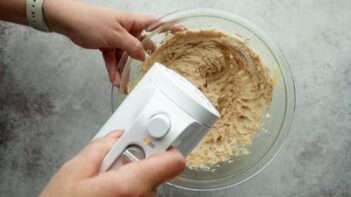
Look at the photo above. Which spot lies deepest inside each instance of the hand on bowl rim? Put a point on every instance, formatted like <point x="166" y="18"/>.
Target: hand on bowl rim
<point x="115" y="58"/>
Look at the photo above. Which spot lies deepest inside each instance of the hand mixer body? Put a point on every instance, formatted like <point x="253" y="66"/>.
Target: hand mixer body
<point x="158" y="113"/>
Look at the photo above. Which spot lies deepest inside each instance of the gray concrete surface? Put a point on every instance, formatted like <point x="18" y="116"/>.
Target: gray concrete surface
<point x="55" y="95"/>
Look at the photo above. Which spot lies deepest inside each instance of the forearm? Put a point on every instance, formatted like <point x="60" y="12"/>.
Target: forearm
<point x="13" y="11"/>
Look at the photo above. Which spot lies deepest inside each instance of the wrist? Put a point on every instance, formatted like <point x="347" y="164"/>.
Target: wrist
<point x="56" y="19"/>
<point x="35" y="16"/>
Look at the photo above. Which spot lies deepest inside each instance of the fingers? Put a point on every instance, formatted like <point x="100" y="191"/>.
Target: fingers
<point x="101" y="145"/>
<point x="149" y="45"/>
<point x="157" y="169"/>
<point x="143" y="177"/>
<point x="90" y="158"/>
<point x="114" y="62"/>
<point x="125" y="39"/>
<point x="140" y="178"/>
<point x="148" y="19"/>
<point x="132" y="46"/>
<point x="110" y="63"/>
<point x="166" y="26"/>
<point x="131" y="31"/>
<point x="115" y="134"/>
<point x="137" y="23"/>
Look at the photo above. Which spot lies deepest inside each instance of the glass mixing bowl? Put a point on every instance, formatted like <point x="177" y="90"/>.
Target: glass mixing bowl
<point x="274" y="130"/>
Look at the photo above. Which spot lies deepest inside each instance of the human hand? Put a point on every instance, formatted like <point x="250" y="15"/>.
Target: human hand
<point x="96" y="27"/>
<point x="80" y="175"/>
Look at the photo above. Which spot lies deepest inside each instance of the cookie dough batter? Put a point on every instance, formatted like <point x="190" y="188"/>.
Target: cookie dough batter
<point x="233" y="78"/>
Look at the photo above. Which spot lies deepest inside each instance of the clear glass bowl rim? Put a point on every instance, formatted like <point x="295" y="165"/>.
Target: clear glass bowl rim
<point x="284" y="69"/>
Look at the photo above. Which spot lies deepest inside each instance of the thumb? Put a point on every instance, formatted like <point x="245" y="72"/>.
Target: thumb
<point x="132" y="46"/>
<point x="157" y="169"/>
<point x="90" y="158"/>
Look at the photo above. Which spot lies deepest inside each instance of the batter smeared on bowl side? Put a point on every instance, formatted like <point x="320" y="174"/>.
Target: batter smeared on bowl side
<point x="233" y="78"/>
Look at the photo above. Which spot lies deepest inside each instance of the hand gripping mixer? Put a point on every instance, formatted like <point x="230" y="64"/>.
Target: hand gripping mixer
<point x="164" y="109"/>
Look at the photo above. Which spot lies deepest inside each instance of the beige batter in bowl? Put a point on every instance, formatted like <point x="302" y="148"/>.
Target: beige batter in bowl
<point x="276" y="120"/>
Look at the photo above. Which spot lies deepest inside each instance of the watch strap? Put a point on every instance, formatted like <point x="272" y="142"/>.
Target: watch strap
<point x="35" y="16"/>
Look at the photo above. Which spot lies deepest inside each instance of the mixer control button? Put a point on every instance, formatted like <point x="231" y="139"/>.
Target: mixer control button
<point x="159" y="125"/>
<point x="132" y="153"/>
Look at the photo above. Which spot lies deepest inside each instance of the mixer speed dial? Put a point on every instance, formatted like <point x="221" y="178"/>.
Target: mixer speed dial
<point x="159" y="125"/>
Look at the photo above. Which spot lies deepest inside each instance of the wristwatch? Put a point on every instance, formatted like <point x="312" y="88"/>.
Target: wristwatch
<point x="35" y="16"/>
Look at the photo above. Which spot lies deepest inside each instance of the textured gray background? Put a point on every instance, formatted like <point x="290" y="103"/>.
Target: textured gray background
<point x="55" y="95"/>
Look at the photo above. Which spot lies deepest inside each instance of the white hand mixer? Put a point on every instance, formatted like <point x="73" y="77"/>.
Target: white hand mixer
<point x="164" y="109"/>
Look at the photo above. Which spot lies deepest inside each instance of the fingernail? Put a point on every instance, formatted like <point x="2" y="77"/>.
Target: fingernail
<point x="116" y="134"/>
<point x="117" y="80"/>
<point x="141" y="56"/>
<point x="112" y="77"/>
